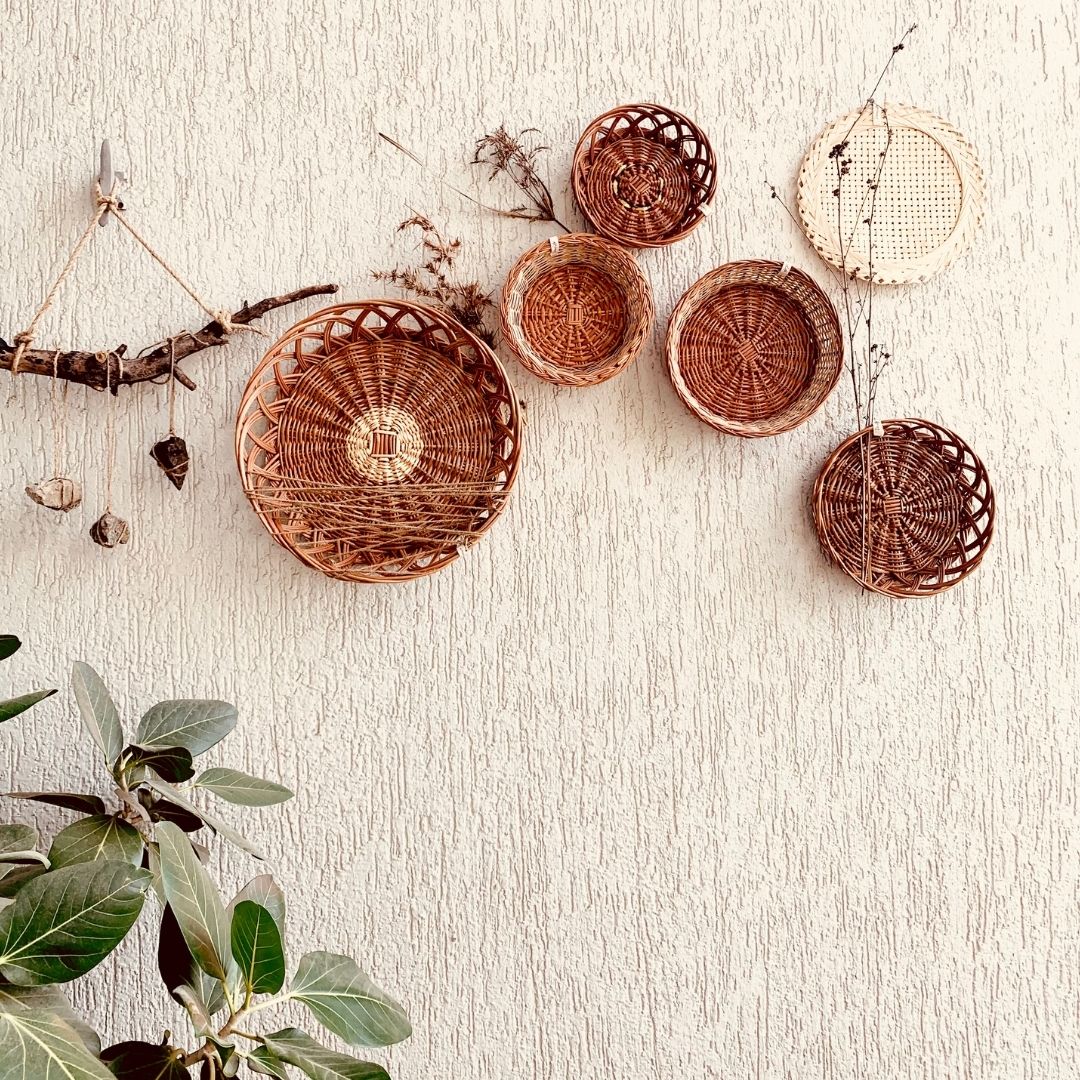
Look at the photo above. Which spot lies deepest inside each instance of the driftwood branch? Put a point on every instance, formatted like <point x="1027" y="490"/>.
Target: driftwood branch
<point x="92" y="368"/>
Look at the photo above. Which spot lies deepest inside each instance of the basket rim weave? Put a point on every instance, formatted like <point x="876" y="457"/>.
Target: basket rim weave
<point x="700" y="205"/>
<point x="615" y="262"/>
<point x="816" y="203"/>
<point x="414" y="328"/>
<point x="799" y="288"/>
<point x="974" y="503"/>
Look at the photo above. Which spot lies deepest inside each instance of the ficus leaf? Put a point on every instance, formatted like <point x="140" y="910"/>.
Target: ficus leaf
<point x="98" y="712"/>
<point x="101" y="836"/>
<point x="264" y="1060"/>
<point x="195" y="725"/>
<point x="296" y="1047"/>
<point x="257" y="948"/>
<point x="50" y="999"/>
<point x="67" y="800"/>
<point x="9" y="644"/>
<point x="179" y="799"/>
<point x="172" y="763"/>
<point x="238" y="787"/>
<point x="162" y="810"/>
<point x="15" y="839"/>
<point x="178" y="967"/>
<point x="66" y="922"/>
<point x="36" y="1043"/>
<point x="144" y="1061"/>
<point x="13" y="706"/>
<point x="195" y="902"/>
<point x="14" y="876"/>
<point x="346" y="1001"/>
<point x="265" y="892"/>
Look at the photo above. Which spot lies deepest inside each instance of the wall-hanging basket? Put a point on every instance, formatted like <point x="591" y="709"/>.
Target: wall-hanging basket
<point x="576" y="310"/>
<point x="929" y="196"/>
<point x="644" y="175"/>
<point x="754" y="348"/>
<point x="377" y="439"/>
<point x="906" y="513"/>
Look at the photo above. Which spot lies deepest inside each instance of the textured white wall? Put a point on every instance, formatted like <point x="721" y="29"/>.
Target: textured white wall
<point x="640" y="786"/>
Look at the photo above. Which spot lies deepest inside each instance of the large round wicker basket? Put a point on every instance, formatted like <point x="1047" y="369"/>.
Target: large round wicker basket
<point x="927" y="203"/>
<point x="377" y="439"/>
<point x="909" y="512"/>
<point x="644" y="175"/>
<point x="576" y="310"/>
<point x="754" y="348"/>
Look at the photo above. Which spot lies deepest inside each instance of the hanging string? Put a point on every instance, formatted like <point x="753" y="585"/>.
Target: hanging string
<point x="111" y="204"/>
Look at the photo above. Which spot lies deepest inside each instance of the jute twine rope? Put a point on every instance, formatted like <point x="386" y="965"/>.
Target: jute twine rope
<point x="104" y="204"/>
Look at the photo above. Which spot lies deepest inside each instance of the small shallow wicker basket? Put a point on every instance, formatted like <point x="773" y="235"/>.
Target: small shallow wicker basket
<point x="576" y="310"/>
<point x="644" y="175"/>
<point x="377" y="439"/>
<point x="928" y="202"/>
<point x="754" y="348"/>
<point x="906" y="513"/>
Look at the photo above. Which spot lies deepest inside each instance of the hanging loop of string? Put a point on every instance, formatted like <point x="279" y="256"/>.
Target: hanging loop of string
<point x="110" y="203"/>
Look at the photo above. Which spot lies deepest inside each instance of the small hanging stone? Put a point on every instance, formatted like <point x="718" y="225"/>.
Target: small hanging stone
<point x="59" y="493"/>
<point x="110" y="530"/>
<point x="172" y="455"/>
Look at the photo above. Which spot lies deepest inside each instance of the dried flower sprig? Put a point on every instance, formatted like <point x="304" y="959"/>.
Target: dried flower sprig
<point x="513" y="156"/>
<point x="433" y="279"/>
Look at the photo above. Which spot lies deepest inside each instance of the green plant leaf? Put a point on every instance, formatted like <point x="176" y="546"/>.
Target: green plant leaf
<point x="172" y="763"/>
<point x="50" y="999"/>
<point x="101" y="836"/>
<point x="194" y="725"/>
<point x="66" y="922"/>
<point x="15" y="839"/>
<point x="264" y="891"/>
<point x="67" y="800"/>
<point x="178" y="967"/>
<point x="194" y="901"/>
<point x="99" y="714"/>
<point x="257" y="948"/>
<point x="144" y="1061"/>
<point x="238" y="787"/>
<point x="14" y="876"/>
<point x="296" y="1047"/>
<point x="347" y="1002"/>
<point x="179" y="799"/>
<point x="9" y="644"/>
<point x="37" y="1044"/>
<point x="13" y="706"/>
<point x="264" y="1060"/>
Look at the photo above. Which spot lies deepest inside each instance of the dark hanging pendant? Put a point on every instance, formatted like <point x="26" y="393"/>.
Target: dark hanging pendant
<point x="110" y="530"/>
<point x="171" y="454"/>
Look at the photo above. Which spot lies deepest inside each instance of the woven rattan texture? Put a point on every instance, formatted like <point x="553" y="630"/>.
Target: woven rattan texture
<point x="929" y="197"/>
<point x="906" y="513"/>
<point x="577" y="310"/>
<point x="754" y="350"/>
<point x="377" y="439"/>
<point x="644" y="175"/>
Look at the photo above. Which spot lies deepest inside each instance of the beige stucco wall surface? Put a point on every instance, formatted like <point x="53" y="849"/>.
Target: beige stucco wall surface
<point x="640" y="786"/>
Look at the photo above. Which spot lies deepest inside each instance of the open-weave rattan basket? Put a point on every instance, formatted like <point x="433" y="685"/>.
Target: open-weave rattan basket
<point x="377" y="439"/>
<point x="928" y="202"/>
<point x="644" y="175"/>
<point x="754" y="348"/>
<point x="576" y="310"/>
<point x="909" y="512"/>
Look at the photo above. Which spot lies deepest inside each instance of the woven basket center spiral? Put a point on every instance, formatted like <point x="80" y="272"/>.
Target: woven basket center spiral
<point x="384" y="444"/>
<point x="638" y="185"/>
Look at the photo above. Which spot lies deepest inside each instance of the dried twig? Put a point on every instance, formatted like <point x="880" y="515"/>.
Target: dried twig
<point x="502" y="152"/>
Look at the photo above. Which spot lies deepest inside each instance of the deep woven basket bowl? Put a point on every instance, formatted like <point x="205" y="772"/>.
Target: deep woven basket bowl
<point x="644" y="175"/>
<point x="377" y="439"/>
<point x="576" y="310"/>
<point x="906" y="513"/>
<point x="928" y="202"/>
<point x="754" y="348"/>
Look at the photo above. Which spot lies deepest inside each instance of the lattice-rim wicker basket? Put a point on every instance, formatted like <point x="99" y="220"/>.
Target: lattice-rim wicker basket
<point x="929" y="198"/>
<point x="644" y="175"/>
<point x="576" y="310"/>
<point x="377" y="439"/>
<point x="754" y="348"/>
<point x="920" y="525"/>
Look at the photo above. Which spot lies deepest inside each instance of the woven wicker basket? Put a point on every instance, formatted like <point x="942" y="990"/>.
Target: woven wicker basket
<point x="377" y="439"/>
<point x="576" y="310"/>
<point x="906" y="513"/>
<point x="929" y="197"/>
<point x="754" y="348"/>
<point x="644" y="175"/>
